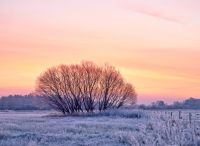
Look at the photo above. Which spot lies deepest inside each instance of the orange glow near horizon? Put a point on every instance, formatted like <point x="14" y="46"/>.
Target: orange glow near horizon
<point x="154" y="44"/>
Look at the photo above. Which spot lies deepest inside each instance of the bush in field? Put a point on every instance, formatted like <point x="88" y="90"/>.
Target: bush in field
<point x="84" y="87"/>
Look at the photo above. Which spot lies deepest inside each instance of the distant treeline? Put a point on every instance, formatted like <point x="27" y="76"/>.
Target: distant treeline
<point x="20" y="102"/>
<point x="191" y="103"/>
<point x="31" y="102"/>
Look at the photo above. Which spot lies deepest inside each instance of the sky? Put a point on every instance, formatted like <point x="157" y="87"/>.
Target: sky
<point x="154" y="44"/>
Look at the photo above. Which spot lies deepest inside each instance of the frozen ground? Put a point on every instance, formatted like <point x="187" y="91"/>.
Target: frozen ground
<point x="113" y="128"/>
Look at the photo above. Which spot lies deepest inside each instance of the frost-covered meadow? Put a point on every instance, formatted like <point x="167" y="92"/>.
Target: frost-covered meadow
<point x="112" y="128"/>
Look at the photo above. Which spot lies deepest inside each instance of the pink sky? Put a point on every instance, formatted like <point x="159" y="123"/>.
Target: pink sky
<point x="155" y="44"/>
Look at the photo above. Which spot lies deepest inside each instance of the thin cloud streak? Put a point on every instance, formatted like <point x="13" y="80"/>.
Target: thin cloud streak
<point x="141" y="9"/>
<point x="158" y="15"/>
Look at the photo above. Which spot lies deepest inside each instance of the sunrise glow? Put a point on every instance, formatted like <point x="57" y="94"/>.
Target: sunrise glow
<point x="155" y="44"/>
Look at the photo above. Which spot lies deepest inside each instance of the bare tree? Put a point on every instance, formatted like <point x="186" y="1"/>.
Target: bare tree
<point x="115" y="91"/>
<point x="90" y="85"/>
<point x="84" y="87"/>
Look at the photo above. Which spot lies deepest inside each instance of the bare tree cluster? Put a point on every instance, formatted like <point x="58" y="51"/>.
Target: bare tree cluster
<point x="84" y="87"/>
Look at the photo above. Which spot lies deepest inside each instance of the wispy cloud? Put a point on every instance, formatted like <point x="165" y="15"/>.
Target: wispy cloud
<point x="150" y="11"/>
<point x="158" y="15"/>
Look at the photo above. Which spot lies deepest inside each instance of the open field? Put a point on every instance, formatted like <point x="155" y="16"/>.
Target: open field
<point x="113" y="128"/>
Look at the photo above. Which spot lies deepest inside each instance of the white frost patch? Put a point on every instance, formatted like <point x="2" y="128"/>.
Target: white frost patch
<point x="112" y="128"/>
